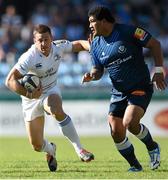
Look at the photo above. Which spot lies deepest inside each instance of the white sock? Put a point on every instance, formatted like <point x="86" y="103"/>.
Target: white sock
<point x="67" y="128"/>
<point x="47" y="147"/>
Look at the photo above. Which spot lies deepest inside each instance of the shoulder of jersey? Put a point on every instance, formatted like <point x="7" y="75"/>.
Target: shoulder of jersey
<point x="29" y="53"/>
<point x="32" y="50"/>
<point x="95" y="41"/>
<point x="60" y="42"/>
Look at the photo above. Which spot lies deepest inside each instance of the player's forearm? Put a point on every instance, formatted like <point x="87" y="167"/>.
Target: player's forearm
<point x="96" y="74"/>
<point x="16" y="87"/>
<point x="157" y="54"/>
<point x="156" y="51"/>
<point x="80" y="45"/>
<point x="12" y="82"/>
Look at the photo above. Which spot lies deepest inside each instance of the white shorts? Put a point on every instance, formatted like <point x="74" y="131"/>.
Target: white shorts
<point x="33" y="108"/>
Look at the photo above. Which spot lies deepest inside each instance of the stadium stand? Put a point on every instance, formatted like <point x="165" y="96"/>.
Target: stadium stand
<point x="68" y="20"/>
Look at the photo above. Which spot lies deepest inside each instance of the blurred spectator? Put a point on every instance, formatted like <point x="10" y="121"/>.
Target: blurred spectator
<point x="163" y="38"/>
<point x="68" y="20"/>
<point x="40" y="15"/>
<point x="2" y="54"/>
<point x="12" y="22"/>
<point x="10" y="19"/>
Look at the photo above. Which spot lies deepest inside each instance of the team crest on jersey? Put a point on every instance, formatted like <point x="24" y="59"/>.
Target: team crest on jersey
<point x="103" y="53"/>
<point x="38" y="65"/>
<point x="140" y="34"/>
<point x="122" y="49"/>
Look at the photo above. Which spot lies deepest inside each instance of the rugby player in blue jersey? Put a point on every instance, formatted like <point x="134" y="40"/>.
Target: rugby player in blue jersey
<point x="119" y="49"/>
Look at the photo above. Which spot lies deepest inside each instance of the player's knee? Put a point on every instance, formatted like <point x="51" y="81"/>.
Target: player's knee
<point x="134" y="128"/>
<point x="128" y="122"/>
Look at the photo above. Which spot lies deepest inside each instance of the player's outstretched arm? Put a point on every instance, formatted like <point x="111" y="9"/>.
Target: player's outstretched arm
<point x="80" y="45"/>
<point x="156" y="51"/>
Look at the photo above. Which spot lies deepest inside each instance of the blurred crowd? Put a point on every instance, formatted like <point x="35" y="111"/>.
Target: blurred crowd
<point x="68" y="20"/>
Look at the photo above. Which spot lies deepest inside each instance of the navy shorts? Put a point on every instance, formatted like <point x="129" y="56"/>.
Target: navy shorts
<point x="139" y="96"/>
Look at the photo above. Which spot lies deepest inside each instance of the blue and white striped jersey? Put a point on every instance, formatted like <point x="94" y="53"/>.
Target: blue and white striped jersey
<point x="122" y="54"/>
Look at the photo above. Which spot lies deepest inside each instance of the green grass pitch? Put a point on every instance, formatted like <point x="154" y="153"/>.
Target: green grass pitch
<point x="19" y="161"/>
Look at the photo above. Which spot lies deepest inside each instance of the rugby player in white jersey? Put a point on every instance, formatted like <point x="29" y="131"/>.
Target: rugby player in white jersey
<point x="43" y="59"/>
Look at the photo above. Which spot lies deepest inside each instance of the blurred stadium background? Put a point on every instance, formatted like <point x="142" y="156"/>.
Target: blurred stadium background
<point x="68" y="20"/>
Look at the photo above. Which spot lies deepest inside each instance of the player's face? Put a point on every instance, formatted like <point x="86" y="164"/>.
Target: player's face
<point x="95" y="26"/>
<point x="43" y="42"/>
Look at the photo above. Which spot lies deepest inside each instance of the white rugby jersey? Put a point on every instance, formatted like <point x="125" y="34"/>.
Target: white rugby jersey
<point x="45" y="68"/>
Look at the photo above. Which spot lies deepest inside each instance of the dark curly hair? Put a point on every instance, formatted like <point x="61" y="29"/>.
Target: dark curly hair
<point x="101" y="12"/>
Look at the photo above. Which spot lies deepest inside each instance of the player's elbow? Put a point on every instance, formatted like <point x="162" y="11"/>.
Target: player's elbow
<point x="7" y="82"/>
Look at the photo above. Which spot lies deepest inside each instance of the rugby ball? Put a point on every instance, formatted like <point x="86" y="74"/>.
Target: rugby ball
<point x="30" y="82"/>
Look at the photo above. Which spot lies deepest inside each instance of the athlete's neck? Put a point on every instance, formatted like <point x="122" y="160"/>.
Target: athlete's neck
<point x="46" y="53"/>
<point x="108" y="29"/>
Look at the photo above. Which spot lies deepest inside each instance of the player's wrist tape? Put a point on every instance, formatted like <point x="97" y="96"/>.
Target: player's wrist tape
<point x="159" y="69"/>
<point x="29" y="94"/>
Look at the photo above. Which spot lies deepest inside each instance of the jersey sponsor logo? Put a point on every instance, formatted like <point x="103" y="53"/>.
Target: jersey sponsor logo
<point x="119" y="61"/>
<point x="49" y="72"/>
<point x="122" y="49"/>
<point x="57" y="57"/>
<point x="38" y="65"/>
<point x="140" y="34"/>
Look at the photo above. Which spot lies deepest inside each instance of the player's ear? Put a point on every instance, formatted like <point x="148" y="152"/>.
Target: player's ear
<point x="51" y="36"/>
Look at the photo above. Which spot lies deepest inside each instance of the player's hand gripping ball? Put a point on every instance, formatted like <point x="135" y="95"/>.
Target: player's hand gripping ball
<point x="30" y="82"/>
